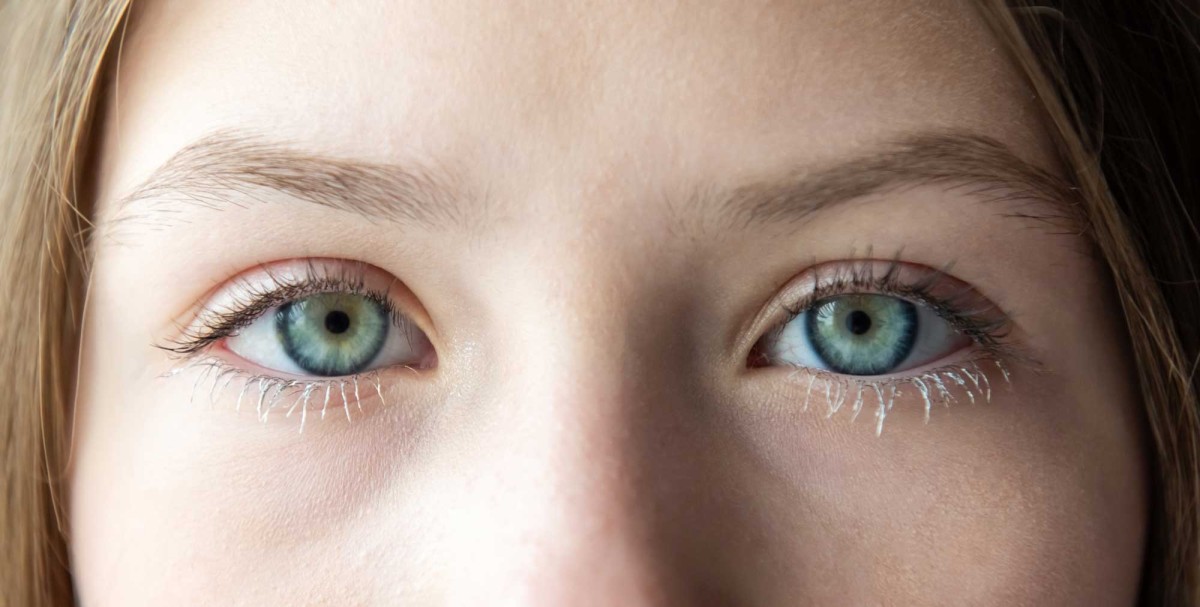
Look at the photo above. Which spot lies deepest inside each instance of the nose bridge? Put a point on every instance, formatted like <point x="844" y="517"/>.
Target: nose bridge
<point x="570" y="462"/>
<point x="578" y="360"/>
<point x="575" y="401"/>
<point x="581" y="510"/>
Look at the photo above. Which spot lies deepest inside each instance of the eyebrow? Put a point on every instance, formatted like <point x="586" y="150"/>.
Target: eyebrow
<point x="232" y="169"/>
<point x="206" y="173"/>
<point x="978" y="166"/>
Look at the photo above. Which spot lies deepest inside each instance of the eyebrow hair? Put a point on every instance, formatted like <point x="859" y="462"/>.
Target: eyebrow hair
<point x="205" y="172"/>
<point x="981" y="166"/>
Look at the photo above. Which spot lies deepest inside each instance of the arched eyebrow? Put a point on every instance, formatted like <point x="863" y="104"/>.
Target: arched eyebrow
<point x="230" y="169"/>
<point x="975" y="165"/>
<point x="234" y="169"/>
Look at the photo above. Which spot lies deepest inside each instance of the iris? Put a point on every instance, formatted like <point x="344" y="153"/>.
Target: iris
<point x="332" y="333"/>
<point x="862" y="334"/>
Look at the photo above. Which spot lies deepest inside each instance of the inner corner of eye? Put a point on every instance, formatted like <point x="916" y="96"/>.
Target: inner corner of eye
<point x="757" y="358"/>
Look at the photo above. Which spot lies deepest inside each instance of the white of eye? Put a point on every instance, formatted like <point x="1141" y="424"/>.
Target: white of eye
<point x="260" y="343"/>
<point x="935" y="338"/>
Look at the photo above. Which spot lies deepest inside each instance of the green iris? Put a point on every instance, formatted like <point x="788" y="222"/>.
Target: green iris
<point x="332" y="333"/>
<point x="862" y="334"/>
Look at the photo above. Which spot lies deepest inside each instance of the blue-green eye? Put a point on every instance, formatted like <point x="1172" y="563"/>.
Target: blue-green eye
<point x="329" y="334"/>
<point x="863" y="334"/>
<point x="333" y="333"/>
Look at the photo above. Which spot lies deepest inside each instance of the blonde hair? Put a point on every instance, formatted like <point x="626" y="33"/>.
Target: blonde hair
<point x="52" y="77"/>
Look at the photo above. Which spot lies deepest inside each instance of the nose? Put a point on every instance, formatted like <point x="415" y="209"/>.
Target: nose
<point x="562" y="504"/>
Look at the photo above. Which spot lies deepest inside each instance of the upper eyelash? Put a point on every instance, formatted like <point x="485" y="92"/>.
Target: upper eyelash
<point x="984" y="322"/>
<point x="987" y="326"/>
<point x="251" y="302"/>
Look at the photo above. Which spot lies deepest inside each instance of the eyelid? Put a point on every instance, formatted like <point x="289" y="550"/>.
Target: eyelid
<point x="244" y="297"/>
<point x="226" y="376"/>
<point x="968" y="310"/>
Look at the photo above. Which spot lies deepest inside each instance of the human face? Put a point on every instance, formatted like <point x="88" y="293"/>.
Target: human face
<point x="513" y="286"/>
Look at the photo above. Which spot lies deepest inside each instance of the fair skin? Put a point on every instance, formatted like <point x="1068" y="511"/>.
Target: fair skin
<point x="590" y="420"/>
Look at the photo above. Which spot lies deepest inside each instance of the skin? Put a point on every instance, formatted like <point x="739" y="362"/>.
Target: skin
<point x="591" y="433"/>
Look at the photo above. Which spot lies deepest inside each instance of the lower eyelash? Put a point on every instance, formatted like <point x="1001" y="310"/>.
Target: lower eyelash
<point x="937" y="386"/>
<point x="969" y="313"/>
<point x="271" y="394"/>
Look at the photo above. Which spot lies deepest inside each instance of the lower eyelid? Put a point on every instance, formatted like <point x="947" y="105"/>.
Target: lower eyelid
<point x="270" y="397"/>
<point x="971" y="381"/>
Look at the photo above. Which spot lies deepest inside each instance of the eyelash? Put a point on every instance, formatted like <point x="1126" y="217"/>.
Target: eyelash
<point x="194" y="342"/>
<point x="252" y="301"/>
<point x="987" y="326"/>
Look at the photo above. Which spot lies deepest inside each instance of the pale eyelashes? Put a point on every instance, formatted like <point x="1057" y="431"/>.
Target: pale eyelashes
<point x="243" y="309"/>
<point x="969" y="380"/>
<point x="962" y="373"/>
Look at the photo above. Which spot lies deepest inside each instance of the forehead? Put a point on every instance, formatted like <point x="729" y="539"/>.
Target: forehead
<point x="700" y="86"/>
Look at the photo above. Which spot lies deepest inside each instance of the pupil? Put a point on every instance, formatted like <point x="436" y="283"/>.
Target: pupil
<point x="858" y="322"/>
<point x="337" y="322"/>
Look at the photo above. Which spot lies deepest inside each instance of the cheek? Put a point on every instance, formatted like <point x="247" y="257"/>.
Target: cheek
<point x="175" y="498"/>
<point x="1035" y="497"/>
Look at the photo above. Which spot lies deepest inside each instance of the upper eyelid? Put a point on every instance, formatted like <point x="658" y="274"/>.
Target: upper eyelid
<point x="979" y="331"/>
<point x="915" y="293"/>
<point x="245" y="301"/>
<point x="781" y="307"/>
<point x="186" y="344"/>
<point x="890" y="282"/>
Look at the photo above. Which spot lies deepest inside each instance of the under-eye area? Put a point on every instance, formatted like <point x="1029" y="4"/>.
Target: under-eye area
<point x="301" y="335"/>
<point x="872" y="333"/>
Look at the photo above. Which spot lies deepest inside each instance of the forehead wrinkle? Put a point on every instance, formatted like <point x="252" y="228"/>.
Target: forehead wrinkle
<point x="976" y="165"/>
<point x="231" y="169"/>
